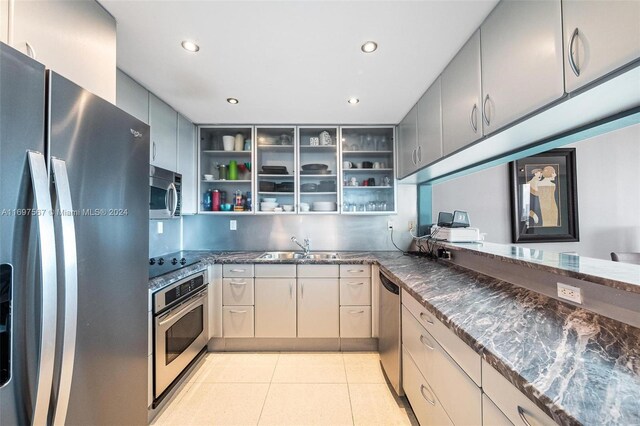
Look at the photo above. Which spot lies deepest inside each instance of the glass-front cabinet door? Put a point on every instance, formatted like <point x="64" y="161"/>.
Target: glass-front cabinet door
<point x="368" y="178"/>
<point x="318" y="170"/>
<point x="225" y="169"/>
<point x="276" y="164"/>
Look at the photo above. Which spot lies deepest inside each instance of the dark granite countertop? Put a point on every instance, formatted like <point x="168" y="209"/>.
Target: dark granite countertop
<point x="577" y="366"/>
<point x="623" y="276"/>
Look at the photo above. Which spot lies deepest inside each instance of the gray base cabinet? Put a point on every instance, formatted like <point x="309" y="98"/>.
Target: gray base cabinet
<point x="522" y="65"/>
<point x="600" y="36"/>
<point x="462" y="97"/>
<point x="318" y="307"/>
<point x="275" y="307"/>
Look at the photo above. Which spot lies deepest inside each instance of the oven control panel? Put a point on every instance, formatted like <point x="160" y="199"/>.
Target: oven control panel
<point x="181" y="290"/>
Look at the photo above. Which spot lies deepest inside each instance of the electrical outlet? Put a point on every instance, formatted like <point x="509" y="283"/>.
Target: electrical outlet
<point x="412" y="225"/>
<point x="389" y="224"/>
<point x="160" y="227"/>
<point x="569" y="292"/>
<point x="233" y="225"/>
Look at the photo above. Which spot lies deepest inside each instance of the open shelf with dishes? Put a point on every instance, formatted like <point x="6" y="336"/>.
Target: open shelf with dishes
<point x="275" y="168"/>
<point x="318" y="170"/>
<point x="368" y="183"/>
<point x="225" y="167"/>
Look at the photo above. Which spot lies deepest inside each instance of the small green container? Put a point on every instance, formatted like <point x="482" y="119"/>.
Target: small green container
<point x="233" y="170"/>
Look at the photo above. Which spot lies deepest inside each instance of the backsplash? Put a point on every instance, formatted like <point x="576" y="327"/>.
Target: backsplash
<point x="169" y="241"/>
<point x="330" y="232"/>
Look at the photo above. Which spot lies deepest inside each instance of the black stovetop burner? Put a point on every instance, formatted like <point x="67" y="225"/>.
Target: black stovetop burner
<point x="170" y="262"/>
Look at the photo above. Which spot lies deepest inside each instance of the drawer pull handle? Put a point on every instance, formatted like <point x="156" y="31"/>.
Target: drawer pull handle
<point x="425" y="318"/>
<point x="237" y="283"/>
<point x="424" y="341"/>
<point x="521" y="413"/>
<point x="356" y="312"/>
<point x="238" y="270"/>
<point x="237" y="312"/>
<point x="429" y="400"/>
<point x="356" y="283"/>
<point x="355" y="271"/>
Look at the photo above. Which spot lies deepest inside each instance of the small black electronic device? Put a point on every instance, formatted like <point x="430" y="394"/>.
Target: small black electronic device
<point x="460" y="219"/>
<point x="445" y="219"/>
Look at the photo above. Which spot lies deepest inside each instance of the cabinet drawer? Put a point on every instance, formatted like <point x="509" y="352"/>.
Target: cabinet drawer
<point x="237" y="291"/>
<point x="491" y="414"/>
<point x="513" y="403"/>
<point x="466" y="357"/>
<point x="318" y="271"/>
<point x="458" y="394"/>
<point x="355" y="271"/>
<point x="355" y="291"/>
<point x="237" y="271"/>
<point x="275" y="271"/>
<point x="425" y="405"/>
<point x="355" y="321"/>
<point x="237" y="321"/>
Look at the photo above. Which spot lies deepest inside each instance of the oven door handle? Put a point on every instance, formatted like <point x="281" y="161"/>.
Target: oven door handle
<point x="190" y="303"/>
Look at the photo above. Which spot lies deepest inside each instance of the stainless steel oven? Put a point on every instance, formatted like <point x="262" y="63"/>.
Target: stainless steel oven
<point x="164" y="193"/>
<point x="180" y="328"/>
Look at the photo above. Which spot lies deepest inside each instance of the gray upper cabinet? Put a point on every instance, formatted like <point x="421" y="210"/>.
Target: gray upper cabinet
<point x="429" y="126"/>
<point x="187" y="161"/>
<point x="600" y="37"/>
<point x="462" y="97"/>
<point x="407" y="144"/>
<point x="522" y="63"/>
<point x="132" y="97"/>
<point x="164" y="122"/>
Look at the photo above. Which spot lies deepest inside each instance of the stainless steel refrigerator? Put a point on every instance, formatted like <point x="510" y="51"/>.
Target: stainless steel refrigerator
<point x="73" y="252"/>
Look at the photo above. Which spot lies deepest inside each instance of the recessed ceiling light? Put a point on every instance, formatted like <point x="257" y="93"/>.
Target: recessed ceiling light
<point x="232" y="101"/>
<point x="190" y="46"/>
<point x="353" y="101"/>
<point x="369" y="46"/>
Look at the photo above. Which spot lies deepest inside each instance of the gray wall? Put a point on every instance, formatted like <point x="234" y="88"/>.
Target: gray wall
<point x="330" y="232"/>
<point x="167" y="242"/>
<point x="608" y="175"/>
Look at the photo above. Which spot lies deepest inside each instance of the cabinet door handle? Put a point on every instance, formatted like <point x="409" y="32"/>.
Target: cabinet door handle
<point x="361" y="283"/>
<point x="572" y="61"/>
<point x="425" y="318"/>
<point x="238" y="282"/>
<point x="290" y="291"/>
<point x="521" y="413"/>
<point x="238" y="270"/>
<point x="424" y="341"/>
<point x="485" y="115"/>
<point x="356" y="312"/>
<point x="355" y="271"/>
<point x="30" y="50"/>
<point x="413" y="156"/>
<point x="302" y="291"/>
<point x="237" y="312"/>
<point x="473" y="118"/>
<point x="154" y="150"/>
<point x="419" y="154"/>
<point x="429" y="400"/>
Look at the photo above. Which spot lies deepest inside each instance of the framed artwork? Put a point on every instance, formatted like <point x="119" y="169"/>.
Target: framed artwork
<point x="544" y="199"/>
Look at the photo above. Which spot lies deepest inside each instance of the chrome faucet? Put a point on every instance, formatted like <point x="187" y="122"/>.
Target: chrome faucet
<point x="306" y="247"/>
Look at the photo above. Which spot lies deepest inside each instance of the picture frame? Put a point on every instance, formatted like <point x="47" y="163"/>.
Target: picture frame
<point x="544" y="197"/>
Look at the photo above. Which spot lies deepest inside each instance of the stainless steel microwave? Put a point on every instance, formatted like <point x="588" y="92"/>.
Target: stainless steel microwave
<point x="164" y="193"/>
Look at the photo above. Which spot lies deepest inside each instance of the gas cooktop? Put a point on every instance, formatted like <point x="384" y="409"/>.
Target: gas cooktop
<point x="170" y="262"/>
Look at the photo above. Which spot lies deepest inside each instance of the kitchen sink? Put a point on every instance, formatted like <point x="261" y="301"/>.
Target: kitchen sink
<point x="287" y="255"/>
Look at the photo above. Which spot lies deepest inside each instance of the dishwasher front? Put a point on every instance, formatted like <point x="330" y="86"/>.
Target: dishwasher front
<point x="389" y="337"/>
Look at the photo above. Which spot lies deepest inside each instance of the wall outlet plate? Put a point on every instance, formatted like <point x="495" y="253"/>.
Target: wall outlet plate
<point x="160" y="227"/>
<point x="411" y="226"/>
<point x="233" y="225"/>
<point x="389" y="224"/>
<point x="569" y="292"/>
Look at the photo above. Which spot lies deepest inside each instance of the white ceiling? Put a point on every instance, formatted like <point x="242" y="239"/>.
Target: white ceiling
<point x="291" y="61"/>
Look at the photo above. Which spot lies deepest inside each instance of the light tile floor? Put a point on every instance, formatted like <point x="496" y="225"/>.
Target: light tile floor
<point x="324" y="388"/>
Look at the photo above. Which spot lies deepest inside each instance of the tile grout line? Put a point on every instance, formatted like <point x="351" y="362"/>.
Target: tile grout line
<point x="344" y="364"/>
<point x="268" y="388"/>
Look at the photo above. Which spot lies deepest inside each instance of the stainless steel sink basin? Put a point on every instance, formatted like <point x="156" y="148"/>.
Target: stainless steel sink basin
<point x="288" y="255"/>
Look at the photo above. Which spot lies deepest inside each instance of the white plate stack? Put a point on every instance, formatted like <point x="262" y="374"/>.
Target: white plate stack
<point x="324" y="206"/>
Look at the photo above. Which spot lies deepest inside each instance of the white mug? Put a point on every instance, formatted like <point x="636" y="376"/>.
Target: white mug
<point x="346" y="164"/>
<point x="358" y="165"/>
<point x="353" y="182"/>
<point x="376" y="165"/>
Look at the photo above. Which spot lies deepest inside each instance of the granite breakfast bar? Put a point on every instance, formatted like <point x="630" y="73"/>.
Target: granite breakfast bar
<point x="577" y="366"/>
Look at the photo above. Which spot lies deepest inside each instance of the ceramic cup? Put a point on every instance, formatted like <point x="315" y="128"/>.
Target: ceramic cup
<point x="228" y="142"/>
<point x="358" y="165"/>
<point x="347" y="164"/>
<point x="377" y="165"/>
<point x="353" y="182"/>
<point x="208" y="177"/>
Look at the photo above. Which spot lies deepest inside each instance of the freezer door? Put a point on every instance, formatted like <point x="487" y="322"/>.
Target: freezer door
<point x="22" y="124"/>
<point x="106" y="152"/>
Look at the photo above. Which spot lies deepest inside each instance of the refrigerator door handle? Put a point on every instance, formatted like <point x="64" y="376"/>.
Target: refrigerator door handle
<point x="47" y="249"/>
<point x="70" y="314"/>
